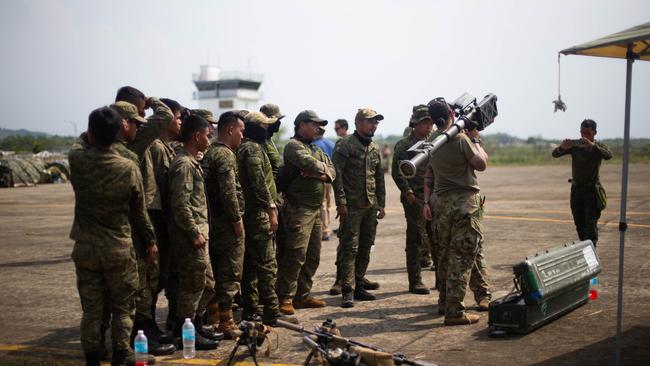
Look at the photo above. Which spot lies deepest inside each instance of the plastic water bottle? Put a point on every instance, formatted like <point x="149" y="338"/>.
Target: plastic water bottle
<point x="189" y="338"/>
<point x="141" y="351"/>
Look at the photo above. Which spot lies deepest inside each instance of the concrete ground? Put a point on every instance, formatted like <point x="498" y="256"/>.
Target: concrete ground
<point x="527" y="212"/>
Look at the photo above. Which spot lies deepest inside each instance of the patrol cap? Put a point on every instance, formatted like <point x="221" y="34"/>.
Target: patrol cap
<point x="420" y="113"/>
<point x="309" y="116"/>
<point x="259" y="118"/>
<point x="438" y="108"/>
<point x="368" y="113"/>
<point x="127" y="111"/>
<point x="271" y="110"/>
<point x="206" y="114"/>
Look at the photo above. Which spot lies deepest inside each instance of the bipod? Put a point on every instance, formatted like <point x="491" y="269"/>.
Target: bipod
<point x="252" y="336"/>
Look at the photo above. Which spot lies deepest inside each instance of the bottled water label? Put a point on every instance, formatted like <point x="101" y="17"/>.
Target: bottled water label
<point x="140" y="347"/>
<point x="188" y="334"/>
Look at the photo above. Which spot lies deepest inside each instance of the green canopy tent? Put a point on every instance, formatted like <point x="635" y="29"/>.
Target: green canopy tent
<point x="631" y="44"/>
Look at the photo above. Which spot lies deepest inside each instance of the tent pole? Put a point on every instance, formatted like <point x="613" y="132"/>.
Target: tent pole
<point x="622" y="225"/>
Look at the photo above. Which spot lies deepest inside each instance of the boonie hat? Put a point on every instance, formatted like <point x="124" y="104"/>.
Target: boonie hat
<point x="271" y="110"/>
<point x="259" y="118"/>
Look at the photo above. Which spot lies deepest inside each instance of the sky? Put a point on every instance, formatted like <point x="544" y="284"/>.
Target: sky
<point x="61" y="59"/>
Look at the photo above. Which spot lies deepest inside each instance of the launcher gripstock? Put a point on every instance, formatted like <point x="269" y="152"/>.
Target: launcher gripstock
<point x="340" y="351"/>
<point x="470" y="116"/>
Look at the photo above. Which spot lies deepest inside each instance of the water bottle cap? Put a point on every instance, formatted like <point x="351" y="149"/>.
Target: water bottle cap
<point x="187" y="320"/>
<point x="140" y="332"/>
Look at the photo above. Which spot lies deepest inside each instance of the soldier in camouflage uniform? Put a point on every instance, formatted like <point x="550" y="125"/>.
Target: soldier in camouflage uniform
<point x="108" y="190"/>
<point x="260" y="219"/>
<point x="189" y="231"/>
<point x="588" y="197"/>
<point x="306" y="170"/>
<point x="226" y="202"/>
<point x="273" y="111"/>
<point x="412" y="197"/>
<point x="360" y="196"/>
<point x="459" y="210"/>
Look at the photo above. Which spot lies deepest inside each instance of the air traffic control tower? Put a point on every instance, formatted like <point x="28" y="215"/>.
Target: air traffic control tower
<point x="220" y="91"/>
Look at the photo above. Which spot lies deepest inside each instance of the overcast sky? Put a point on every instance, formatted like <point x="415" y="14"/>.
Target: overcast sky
<point x="61" y="59"/>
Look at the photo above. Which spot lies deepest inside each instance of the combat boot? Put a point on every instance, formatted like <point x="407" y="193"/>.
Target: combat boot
<point x="286" y="307"/>
<point x="119" y="357"/>
<point x="309" y="302"/>
<point x="200" y="343"/>
<point x="418" y="288"/>
<point x="152" y="331"/>
<point x="227" y="325"/>
<point x="348" y="299"/>
<point x="483" y="305"/>
<point x="361" y="294"/>
<point x="370" y="285"/>
<point x="206" y="330"/>
<point x="213" y="315"/>
<point x="464" y="319"/>
<point x="92" y="358"/>
<point x="336" y="288"/>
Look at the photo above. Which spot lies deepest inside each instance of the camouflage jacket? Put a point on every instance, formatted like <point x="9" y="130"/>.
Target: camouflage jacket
<point x="189" y="209"/>
<point x="585" y="164"/>
<point x="109" y="198"/>
<point x="359" y="176"/>
<point x="160" y="156"/>
<point x="255" y="175"/>
<point x="406" y="185"/>
<point x="304" y="157"/>
<point x="225" y="195"/>
<point x="274" y="157"/>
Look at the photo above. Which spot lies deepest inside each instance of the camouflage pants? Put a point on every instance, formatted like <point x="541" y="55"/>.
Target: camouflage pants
<point x="147" y="288"/>
<point x="195" y="278"/>
<point x="260" y="268"/>
<point x="159" y="222"/>
<point x="356" y="235"/>
<point x="417" y="239"/>
<point x="227" y="258"/>
<point x="585" y="212"/>
<point x="460" y="255"/>
<point x="107" y="277"/>
<point x="301" y="257"/>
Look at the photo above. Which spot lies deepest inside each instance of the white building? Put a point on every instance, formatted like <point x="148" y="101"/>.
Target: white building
<point x="220" y="91"/>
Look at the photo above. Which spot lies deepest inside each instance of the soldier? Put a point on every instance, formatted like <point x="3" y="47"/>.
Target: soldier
<point x="588" y="196"/>
<point x="189" y="232"/>
<point x="459" y="210"/>
<point x="226" y="202"/>
<point x="306" y="170"/>
<point x="109" y="203"/>
<point x="360" y="196"/>
<point x="273" y="111"/>
<point x="260" y="219"/>
<point x="412" y="191"/>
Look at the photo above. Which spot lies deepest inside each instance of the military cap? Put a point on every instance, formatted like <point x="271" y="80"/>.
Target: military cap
<point x="206" y="114"/>
<point x="438" y="108"/>
<point x="367" y="113"/>
<point x="309" y="116"/>
<point x="420" y="113"/>
<point x="259" y="118"/>
<point x="271" y="110"/>
<point x="242" y="113"/>
<point x="127" y="111"/>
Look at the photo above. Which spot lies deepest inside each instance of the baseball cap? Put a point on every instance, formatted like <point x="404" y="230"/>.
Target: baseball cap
<point x="127" y="111"/>
<point x="271" y="110"/>
<point x="438" y="108"/>
<point x="420" y="113"/>
<point x="259" y="118"/>
<point x="309" y="115"/>
<point x="206" y="114"/>
<point x="368" y="113"/>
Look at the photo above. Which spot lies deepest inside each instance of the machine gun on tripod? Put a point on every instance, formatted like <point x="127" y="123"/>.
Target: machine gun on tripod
<point x="336" y="350"/>
<point x="471" y="115"/>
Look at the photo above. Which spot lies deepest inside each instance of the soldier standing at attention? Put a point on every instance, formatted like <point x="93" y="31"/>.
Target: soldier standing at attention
<point x="588" y="196"/>
<point x="459" y="210"/>
<point x="360" y="196"/>
<point x="412" y="191"/>
<point x="109" y="202"/>
<point x="189" y="232"/>
<point x="260" y="219"/>
<point x="226" y="202"/>
<point x="306" y="169"/>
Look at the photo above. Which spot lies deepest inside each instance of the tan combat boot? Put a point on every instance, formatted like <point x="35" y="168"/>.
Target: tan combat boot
<point x="309" y="302"/>
<point x="227" y="325"/>
<point x="213" y="315"/>
<point x="286" y="307"/>
<point x="465" y="319"/>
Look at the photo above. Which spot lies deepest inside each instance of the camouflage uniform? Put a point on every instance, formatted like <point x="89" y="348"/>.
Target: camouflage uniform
<point x="302" y="218"/>
<point x="189" y="220"/>
<point x="108" y="190"/>
<point x="256" y="177"/>
<point x="458" y="211"/>
<point x="274" y="157"/>
<point x="585" y="184"/>
<point x="226" y="202"/>
<point x="417" y="238"/>
<point x="359" y="186"/>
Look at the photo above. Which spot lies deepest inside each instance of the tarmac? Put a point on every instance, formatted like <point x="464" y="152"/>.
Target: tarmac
<point x="527" y="211"/>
